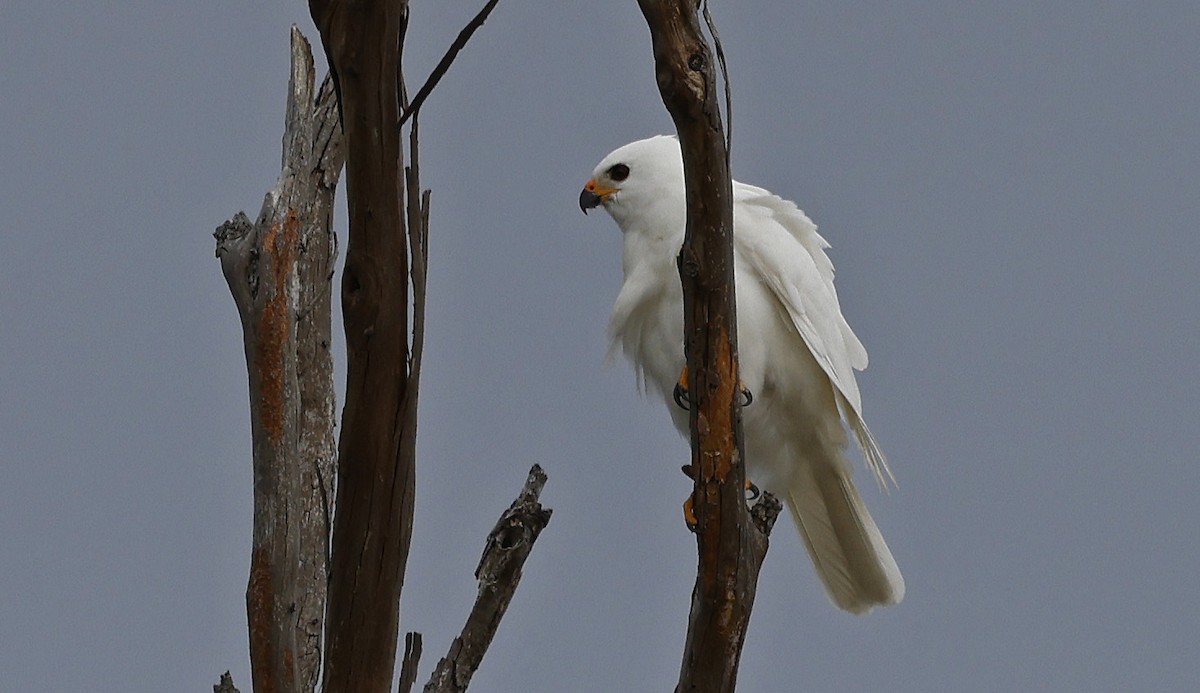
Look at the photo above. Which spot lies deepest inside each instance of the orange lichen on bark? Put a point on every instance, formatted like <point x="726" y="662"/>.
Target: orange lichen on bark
<point x="280" y="245"/>
<point x="717" y="441"/>
<point x="260" y="597"/>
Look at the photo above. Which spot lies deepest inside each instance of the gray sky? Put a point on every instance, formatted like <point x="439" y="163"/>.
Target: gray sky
<point x="1011" y="190"/>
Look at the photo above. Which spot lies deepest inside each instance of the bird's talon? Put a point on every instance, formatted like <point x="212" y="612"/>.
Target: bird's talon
<point x="683" y="398"/>
<point x="680" y="393"/>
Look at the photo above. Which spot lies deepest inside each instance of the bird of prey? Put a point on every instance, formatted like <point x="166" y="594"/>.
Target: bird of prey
<point x="797" y="355"/>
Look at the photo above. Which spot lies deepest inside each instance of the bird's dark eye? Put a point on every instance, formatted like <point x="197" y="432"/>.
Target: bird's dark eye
<point x="618" y="172"/>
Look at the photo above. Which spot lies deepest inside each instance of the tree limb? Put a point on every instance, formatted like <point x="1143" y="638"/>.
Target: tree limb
<point x="375" y="482"/>
<point x="499" y="573"/>
<point x="278" y="270"/>
<point x="279" y="274"/>
<point x="730" y="546"/>
<point x="443" y="65"/>
<point x="225" y="685"/>
<point x="385" y="269"/>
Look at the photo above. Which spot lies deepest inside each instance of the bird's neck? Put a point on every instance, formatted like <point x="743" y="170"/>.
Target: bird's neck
<point x="651" y="241"/>
<point x="650" y="251"/>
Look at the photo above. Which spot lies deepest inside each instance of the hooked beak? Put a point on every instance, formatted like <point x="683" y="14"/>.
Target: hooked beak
<point x="593" y="195"/>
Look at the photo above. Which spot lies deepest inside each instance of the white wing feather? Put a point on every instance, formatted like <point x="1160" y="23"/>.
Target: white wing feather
<point x="801" y="278"/>
<point x="794" y="434"/>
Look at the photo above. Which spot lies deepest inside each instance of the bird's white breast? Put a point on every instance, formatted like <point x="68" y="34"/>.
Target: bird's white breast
<point x="792" y="395"/>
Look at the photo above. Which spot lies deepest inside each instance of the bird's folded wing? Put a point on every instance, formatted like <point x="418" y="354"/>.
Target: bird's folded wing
<point x="781" y="246"/>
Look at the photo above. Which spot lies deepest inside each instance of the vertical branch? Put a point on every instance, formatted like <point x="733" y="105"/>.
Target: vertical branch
<point x="443" y="65"/>
<point x="318" y="441"/>
<point x="408" y="665"/>
<point x="730" y="546"/>
<point x="278" y="270"/>
<point x="385" y="269"/>
<point x="417" y="209"/>
<point x="377" y="453"/>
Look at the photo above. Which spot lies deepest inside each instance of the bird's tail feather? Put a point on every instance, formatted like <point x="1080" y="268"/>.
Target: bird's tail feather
<point x="846" y="547"/>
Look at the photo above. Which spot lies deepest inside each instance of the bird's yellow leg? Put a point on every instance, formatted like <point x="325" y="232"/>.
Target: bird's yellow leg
<point x="680" y="393"/>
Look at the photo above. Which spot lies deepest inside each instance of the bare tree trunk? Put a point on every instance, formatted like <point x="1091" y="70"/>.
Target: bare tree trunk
<point x="730" y="545"/>
<point x="279" y="270"/>
<point x="373" y="517"/>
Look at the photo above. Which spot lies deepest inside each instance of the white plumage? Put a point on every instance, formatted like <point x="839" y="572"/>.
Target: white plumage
<point x="797" y="355"/>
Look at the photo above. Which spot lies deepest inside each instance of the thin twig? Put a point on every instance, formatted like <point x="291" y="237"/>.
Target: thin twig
<point x="400" y="86"/>
<point x="442" y="67"/>
<point x="417" y="209"/>
<point x="712" y="29"/>
<point x="408" y="666"/>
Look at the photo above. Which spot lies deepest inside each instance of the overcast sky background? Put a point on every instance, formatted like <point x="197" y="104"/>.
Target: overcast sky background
<point x="1012" y="193"/>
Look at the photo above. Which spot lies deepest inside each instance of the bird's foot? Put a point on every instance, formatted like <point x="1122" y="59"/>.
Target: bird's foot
<point x="689" y="508"/>
<point x="680" y="393"/>
<point x="683" y="398"/>
<point x="689" y="514"/>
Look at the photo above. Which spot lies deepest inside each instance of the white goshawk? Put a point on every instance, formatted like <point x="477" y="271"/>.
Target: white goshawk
<point x="797" y="355"/>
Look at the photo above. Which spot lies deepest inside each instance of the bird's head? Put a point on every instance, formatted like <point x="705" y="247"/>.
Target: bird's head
<point x="635" y="178"/>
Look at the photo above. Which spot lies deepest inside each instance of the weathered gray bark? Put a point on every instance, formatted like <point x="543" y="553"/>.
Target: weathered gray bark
<point x="731" y="543"/>
<point x="499" y="573"/>
<point x="279" y="271"/>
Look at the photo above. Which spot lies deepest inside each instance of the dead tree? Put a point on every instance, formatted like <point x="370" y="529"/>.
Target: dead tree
<point x="278" y="270"/>
<point x="303" y="584"/>
<point x="731" y="542"/>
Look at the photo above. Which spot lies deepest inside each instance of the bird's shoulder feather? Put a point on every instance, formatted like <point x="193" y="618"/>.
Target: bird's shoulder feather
<point x="780" y="245"/>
